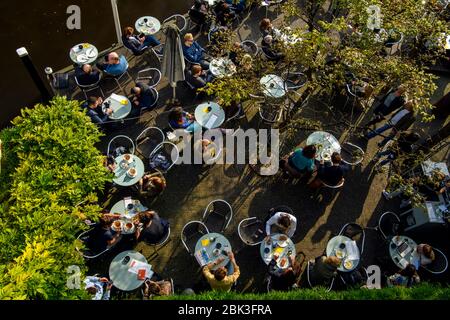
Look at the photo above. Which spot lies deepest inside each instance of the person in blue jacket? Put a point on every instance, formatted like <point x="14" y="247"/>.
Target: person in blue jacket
<point x="194" y="52"/>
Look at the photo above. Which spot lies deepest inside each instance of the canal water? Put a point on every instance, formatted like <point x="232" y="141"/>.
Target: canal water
<point x="40" y="26"/>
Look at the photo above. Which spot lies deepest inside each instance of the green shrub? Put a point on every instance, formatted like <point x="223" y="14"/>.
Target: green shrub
<point x="50" y="166"/>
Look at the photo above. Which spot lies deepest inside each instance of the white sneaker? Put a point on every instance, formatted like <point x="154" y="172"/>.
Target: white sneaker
<point x="386" y="195"/>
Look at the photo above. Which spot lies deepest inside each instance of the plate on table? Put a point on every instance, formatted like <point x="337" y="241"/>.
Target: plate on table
<point x="340" y="253"/>
<point x="82" y="58"/>
<point x="348" y="264"/>
<point x="91" y="53"/>
<point x="132" y="173"/>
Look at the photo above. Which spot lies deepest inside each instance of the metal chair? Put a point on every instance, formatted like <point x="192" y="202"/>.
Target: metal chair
<point x="388" y="225"/>
<point x="357" y="154"/>
<point x="151" y="75"/>
<point x="218" y="215"/>
<point x="191" y="233"/>
<point x="270" y="113"/>
<point x="165" y="239"/>
<point x="85" y="238"/>
<point x="179" y="20"/>
<point x="251" y="231"/>
<point x="250" y="47"/>
<point x="119" y="78"/>
<point x="294" y="80"/>
<point x="440" y="263"/>
<point x="334" y="189"/>
<point x="92" y="87"/>
<point x="155" y="94"/>
<point x="393" y="47"/>
<point x="308" y="275"/>
<point x="355" y="232"/>
<point x="148" y="140"/>
<point x="197" y="19"/>
<point x="145" y="284"/>
<point x="164" y="157"/>
<point x="157" y="51"/>
<point x="352" y="280"/>
<point x="120" y="145"/>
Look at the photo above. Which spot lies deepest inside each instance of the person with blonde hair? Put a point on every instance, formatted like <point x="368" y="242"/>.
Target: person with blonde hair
<point x="194" y="52"/>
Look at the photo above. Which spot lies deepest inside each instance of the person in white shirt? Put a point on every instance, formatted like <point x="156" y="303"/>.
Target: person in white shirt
<point x="284" y="223"/>
<point x="423" y="256"/>
<point x="96" y="287"/>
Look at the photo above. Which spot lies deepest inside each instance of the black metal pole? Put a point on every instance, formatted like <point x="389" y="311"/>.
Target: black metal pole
<point x="45" y="93"/>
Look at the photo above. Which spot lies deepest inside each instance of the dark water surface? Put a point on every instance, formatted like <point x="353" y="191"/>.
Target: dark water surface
<point x="40" y="26"/>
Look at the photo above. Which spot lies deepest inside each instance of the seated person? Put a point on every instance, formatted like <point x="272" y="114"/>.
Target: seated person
<point x="99" y="288"/>
<point x="152" y="184"/>
<point x="266" y="28"/>
<point x="389" y="103"/>
<point x="404" y="278"/>
<point x="284" y="279"/>
<point x="405" y="145"/>
<point x="94" y="110"/>
<point x="138" y="43"/>
<point x="104" y="236"/>
<point x="86" y="75"/>
<point x="267" y="46"/>
<point x="159" y="288"/>
<point x="194" y="52"/>
<point x="199" y="13"/>
<point x="331" y="175"/>
<point x="300" y="161"/>
<point x="151" y="228"/>
<point x="198" y="77"/>
<point x="219" y="280"/>
<point x="114" y="65"/>
<point x="323" y="270"/>
<point x="424" y="256"/>
<point x="143" y="96"/>
<point x="109" y="163"/>
<point x="179" y="119"/>
<point x="224" y="13"/>
<point x="281" y="222"/>
<point x="237" y="6"/>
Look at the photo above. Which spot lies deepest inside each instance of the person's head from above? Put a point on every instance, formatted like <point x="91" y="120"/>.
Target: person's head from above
<point x="409" y="105"/>
<point x="94" y="102"/>
<point x="136" y="91"/>
<point x="333" y="261"/>
<point x="87" y="68"/>
<point x="152" y="288"/>
<point x="309" y="151"/>
<point x="146" y="217"/>
<point x="159" y="183"/>
<point x="409" y="271"/>
<point x="176" y="114"/>
<point x="284" y="221"/>
<point x="336" y="158"/>
<point x="265" y="24"/>
<point x="92" y="290"/>
<point x="401" y="89"/>
<point x="220" y="273"/>
<point x="427" y="251"/>
<point x="196" y="70"/>
<point x="128" y="32"/>
<point x="188" y="39"/>
<point x="113" y="58"/>
<point x="105" y="222"/>
<point x="412" y="137"/>
<point x="268" y="39"/>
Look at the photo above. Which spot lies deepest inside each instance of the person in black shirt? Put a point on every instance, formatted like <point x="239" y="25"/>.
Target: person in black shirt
<point x="151" y="228"/>
<point x="104" y="236"/>
<point x="224" y="13"/>
<point x="197" y="77"/>
<point x="86" y="75"/>
<point x="143" y="96"/>
<point x="269" y="50"/>
<point x="331" y="175"/>
<point x="93" y="108"/>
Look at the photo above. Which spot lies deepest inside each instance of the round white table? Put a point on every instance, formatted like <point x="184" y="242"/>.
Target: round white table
<point x="84" y="53"/>
<point x="273" y="86"/>
<point x="210" y="115"/>
<point x="338" y="247"/>
<point x="222" y="67"/>
<point x="210" y="243"/>
<point x="148" y="25"/>
<point x="403" y="251"/>
<point x="325" y="143"/>
<point x="119" y="208"/>
<point x="120" y="105"/>
<point x="268" y="250"/>
<point x="119" y="272"/>
<point x="121" y="173"/>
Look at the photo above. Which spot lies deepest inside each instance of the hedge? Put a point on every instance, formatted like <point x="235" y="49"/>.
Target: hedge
<point x="49" y="166"/>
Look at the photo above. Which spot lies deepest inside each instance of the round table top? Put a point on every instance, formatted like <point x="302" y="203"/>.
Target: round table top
<point x="88" y="54"/>
<point x="149" y="27"/>
<point x="222" y="67"/>
<point x="273" y="86"/>
<point x="333" y="248"/>
<point x="121" y="177"/>
<point x="120" y="276"/>
<point x="120" y="105"/>
<point x="287" y="249"/>
<point x="119" y="208"/>
<point x="407" y="254"/>
<point x="206" y="243"/>
<point x="326" y="144"/>
<point x="210" y="119"/>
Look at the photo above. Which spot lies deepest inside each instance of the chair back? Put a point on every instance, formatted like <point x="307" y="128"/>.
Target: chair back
<point x="148" y="140"/>
<point x="85" y="238"/>
<point x="440" y="263"/>
<point x="389" y="225"/>
<point x="179" y="20"/>
<point x="294" y="80"/>
<point x="220" y="209"/>
<point x="151" y="75"/>
<point x="338" y="186"/>
<point x="251" y="231"/>
<point x="191" y="233"/>
<point x="309" y="269"/>
<point x="356" y="154"/>
<point x="355" y="232"/>
<point x="250" y="47"/>
<point x="164" y="157"/>
<point x="120" y="145"/>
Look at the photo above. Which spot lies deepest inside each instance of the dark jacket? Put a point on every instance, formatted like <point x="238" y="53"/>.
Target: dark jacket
<point x="322" y="273"/>
<point x="405" y="122"/>
<point x="155" y="232"/>
<point x="96" y="115"/>
<point x="134" y="45"/>
<point x="331" y="175"/>
<point x="384" y="110"/>
<point x="85" y="79"/>
<point x="197" y="82"/>
<point x="146" y="98"/>
<point x="194" y="53"/>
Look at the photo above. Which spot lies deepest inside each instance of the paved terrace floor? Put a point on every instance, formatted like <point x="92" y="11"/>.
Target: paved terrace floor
<point x="191" y="188"/>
